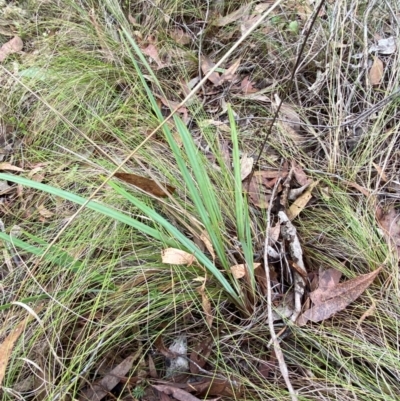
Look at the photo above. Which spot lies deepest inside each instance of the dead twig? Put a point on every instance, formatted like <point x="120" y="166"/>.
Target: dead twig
<point x="289" y="234"/>
<point x="274" y="338"/>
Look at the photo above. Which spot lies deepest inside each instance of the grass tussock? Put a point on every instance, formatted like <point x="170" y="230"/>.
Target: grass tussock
<point x="84" y="93"/>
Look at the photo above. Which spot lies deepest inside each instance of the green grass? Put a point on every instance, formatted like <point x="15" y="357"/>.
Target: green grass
<point x="82" y="96"/>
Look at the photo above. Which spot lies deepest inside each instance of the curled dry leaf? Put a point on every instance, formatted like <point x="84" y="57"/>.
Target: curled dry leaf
<point x="376" y="72"/>
<point x="340" y="296"/>
<point x="173" y="256"/>
<point x="239" y="271"/>
<point x="12" y="46"/>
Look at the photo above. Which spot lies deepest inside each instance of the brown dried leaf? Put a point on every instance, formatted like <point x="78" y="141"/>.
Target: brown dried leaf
<point x="162" y="349"/>
<point x="173" y="256"/>
<point x="146" y="184"/>
<point x="268" y="367"/>
<point x="328" y="279"/>
<point x="389" y="221"/>
<point x="340" y="296"/>
<point x="215" y="386"/>
<point x="363" y="190"/>
<point x="300" y="175"/>
<point x="261" y="186"/>
<point x="99" y="390"/>
<point x="12" y="46"/>
<point x="247" y="86"/>
<point x="232" y="17"/>
<point x="152" y="367"/>
<point x="173" y="105"/>
<point x="152" y="52"/>
<point x="177" y="393"/>
<point x="199" y="355"/>
<point x="229" y="73"/>
<point x="207" y="65"/>
<point x="376" y="72"/>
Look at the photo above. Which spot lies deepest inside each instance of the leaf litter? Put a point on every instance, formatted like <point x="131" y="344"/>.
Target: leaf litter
<point x="335" y="297"/>
<point x="12" y="46"/>
<point x="146" y="184"/>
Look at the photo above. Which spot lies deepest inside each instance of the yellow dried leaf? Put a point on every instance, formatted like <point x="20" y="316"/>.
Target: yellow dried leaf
<point x="301" y="202"/>
<point x="10" y="167"/>
<point x="173" y="256"/>
<point x="246" y="165"/>
<point x="206" y="305"/>
<point x="207" y="243"/>
<point x="7" y="346"/>
<point x="239" y="271"/>
<point x="44" y="212"/>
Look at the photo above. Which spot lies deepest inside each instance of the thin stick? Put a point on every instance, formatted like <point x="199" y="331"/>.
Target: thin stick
<point x="182" y="103"/>
<point x="278" y="351"/>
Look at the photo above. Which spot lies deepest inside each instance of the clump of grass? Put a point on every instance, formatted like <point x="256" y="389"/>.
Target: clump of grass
<point x="102" y="289"/>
